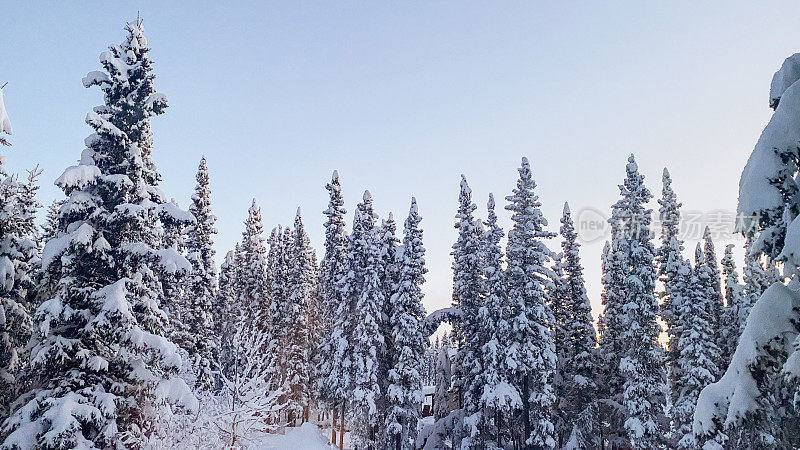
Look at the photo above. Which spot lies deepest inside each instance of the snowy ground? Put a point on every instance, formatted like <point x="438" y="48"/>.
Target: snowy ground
<point x="305" y="437"/>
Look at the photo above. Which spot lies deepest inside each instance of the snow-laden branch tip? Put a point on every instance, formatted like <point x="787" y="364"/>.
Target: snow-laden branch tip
<point x="168" y="258"/>
<point x="434" y="319"/>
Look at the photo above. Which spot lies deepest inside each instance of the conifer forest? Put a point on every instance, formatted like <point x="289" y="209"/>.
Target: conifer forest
<point x="124" y="325"/>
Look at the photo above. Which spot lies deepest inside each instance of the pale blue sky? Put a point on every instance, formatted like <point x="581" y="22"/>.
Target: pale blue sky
<point x="403" y="97"/>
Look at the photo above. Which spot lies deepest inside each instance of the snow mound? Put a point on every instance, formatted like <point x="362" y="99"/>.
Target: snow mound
<point x="756" y="193"/>
<point x="783" y="78"/>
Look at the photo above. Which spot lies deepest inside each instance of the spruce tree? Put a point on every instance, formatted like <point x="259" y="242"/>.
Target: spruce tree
<point x="404" y="394"/>
<point x="314" y="312"/>
<point x="697" y="345"/>
<point x="28" y="207"/>
<point x="331" y="380"/>
<point x="280" y="325"/>
<point x="756" y="281"/>
<point x="250" y="289"/>
<point x="50" y="225"/>
<point x="389" y="280"/>
<point x="630" y="328"/>
<point x="718" y="303"/>
<point x="177" y="302"/>
<point x="578" y="368"/>
<point x="19" y="255"/>
<point x="253" y="287"/>
<point x="100" y="363"/>
<point x="558" y="295"/>
<point x="443" y="380"/>
<point x="669" y="261"/>
<point x="226" y="313"/>
<point x="734" y="302"/>
<point x="610" y="349"/>
<point x="294" y="363"/>
<point x="531" y="346"/>
<point x="363" y="290"/>
<point x="467" y="288"/>
<point x="500" y="398"/>
<point x="202" y="283"/>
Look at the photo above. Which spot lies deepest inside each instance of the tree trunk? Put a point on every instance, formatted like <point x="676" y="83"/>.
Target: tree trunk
<point x="333" y="426"/>
<point x="341" y="428"/>
<point x="526" y="409"/>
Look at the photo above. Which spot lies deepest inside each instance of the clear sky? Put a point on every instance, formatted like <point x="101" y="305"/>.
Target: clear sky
<point x="403" y="97"/>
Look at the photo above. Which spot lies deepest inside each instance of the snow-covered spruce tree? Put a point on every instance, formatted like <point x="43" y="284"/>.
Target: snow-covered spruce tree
<point x="201" y="285"/>
<point x="718" y="303"/>
<point x="50" y="225"/>
<point x="362" y="289"/>
<point x="639" y="355"/>
<point x="734" y="301"/>
<point x="404" y="394"/>
<point x="100" y="365"/>
<point x="467" y="289"/>
<point x="174" y="222"/>
<point x="294" y="359"/>
<point x="314" y="313"/>
<point x="389" y="280"/>
<point x="19" y="254"/>
<point x="279" y="266"/>
<point x="610" y="349"/>
<point x="756" y="281"/>
<point x="579" y="367"/>
<point x="697" y="346"/>
<point x="531" y="352"/>
<point x="45" y="285"/>
<point x="428" y="374"/>
<point x="250" y="289"/>
<point x="273" y="255"/>
<point x="669" y="261"/>
<point x="766" y="354"/>
<point x="176" y="304"/>
<point x="252" y="279"/>
<point x="331" y="383"/>
<point x="28" y="207"/>
<point x="558" y="295"/>
<point x="499" y="398"/>
<point x="225" y="312"/>
<point x="443" y="380"/>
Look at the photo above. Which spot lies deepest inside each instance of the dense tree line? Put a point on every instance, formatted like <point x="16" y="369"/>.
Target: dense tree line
<point x="117" y="330"/>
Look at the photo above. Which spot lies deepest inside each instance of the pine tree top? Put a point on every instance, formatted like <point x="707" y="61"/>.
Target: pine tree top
<point x="465" y="205"/>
